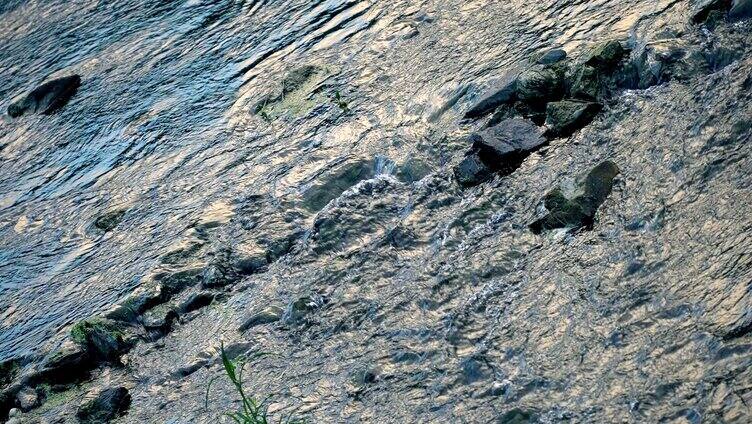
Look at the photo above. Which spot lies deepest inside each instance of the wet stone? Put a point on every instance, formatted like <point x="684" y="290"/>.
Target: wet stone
<point x="472" y="171"/>
<point x="196" y="302"/>
<point x="297" y="77"/>
<point x="28" y="399"/>
<point x="47" y="98"/>
<point x="297" y="312"/>
<point x="109" y="220"/>
<point x="503" y="92"/>
<point x="8" y="371"/>
<point x="105" y="407"/>
<point x="268" y="315"/>
<point x="606" y="56"/>
<point x="580" y="211"/>
<point x="565" y="117"/>
<point x="175" y="282"/>
<point x="141" y="300"/>
<point x="540" y="84"/>
<point x="701" y="9"/>
<point x="505" y="146"/>
<point x="71" y="362"/>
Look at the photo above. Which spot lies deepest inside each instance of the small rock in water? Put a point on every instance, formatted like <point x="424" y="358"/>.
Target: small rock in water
<point x="103" y="338"/>
<point x="552" y="56"/>
<point x="28" y="399"/>
<point x="567" y="116"/>
<point x="297" y="77"/>
<point x="334" y="183"/>
<point x="579" y="211"/>
<point x="540" y="84"/>
<point x="71" y="362"/>
<point x="268" y="315"/>
<point x="503" y="92"/>
<point x="47" y="98"/>
<point x="505" y="146"/>
<point x="106" y="406"/>
<point x="740" y="9"/>
<point x="109" y="220"/>
<point x="472" y="171"/>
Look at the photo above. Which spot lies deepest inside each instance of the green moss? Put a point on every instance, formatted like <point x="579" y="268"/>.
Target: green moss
<point x="103" y="338"/>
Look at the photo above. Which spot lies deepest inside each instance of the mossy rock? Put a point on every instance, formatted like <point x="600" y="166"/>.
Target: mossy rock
<point x="580" y="211"/>
<point x="104" y="339"/>
<point x="109" y="220"/>
<point x="105" y="407"/>
<point x="8" y="371"/>
<point x="606" y="56"/>
<point x="541" y="84"/>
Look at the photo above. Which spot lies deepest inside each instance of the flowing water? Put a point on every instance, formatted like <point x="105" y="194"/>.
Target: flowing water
<point x="425" y="302"/>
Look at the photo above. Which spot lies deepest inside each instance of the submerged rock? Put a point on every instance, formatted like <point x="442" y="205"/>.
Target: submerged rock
<point x="109" y="220"/>
<point x="579" y="211"/>
<point x="106" y="406"/>
<point x="297" y="77"/>
<point x="567" y="116"/>
<point x="472" y="171"/>
<point x="740" y="9"/>
<point x="268" y="315"/>
<point x="332" y="184"/>
<point x="196" y="302"/>
<point x="503" y="92"/>
<point x="142" y="299"/>
<point x="47" y="98"/>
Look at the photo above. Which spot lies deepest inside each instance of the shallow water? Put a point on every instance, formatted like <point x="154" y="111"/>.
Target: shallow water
<point x="443" y="294"/>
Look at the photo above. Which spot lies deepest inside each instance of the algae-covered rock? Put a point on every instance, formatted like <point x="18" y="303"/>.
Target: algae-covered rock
<point x="606" y="56"/>
<point x="107" y="405"/>
<point x="104" y="339"/>
<point x="109" y="220"/>
<point x="471" y="171"/>
<point x="139" y="301"/>
<point x="579" y="211"/>
<point x="71" y="362"/>
<point x="567" y="116"/>
<point x="295" y="79"/>
<point x="47" y="98"/>
<point x="540" y="84"/>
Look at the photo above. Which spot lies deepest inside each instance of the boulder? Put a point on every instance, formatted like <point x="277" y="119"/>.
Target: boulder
<point x="567" y="116"/>
<point x="28" y="398"/>
<point x="107" y="405"/>
<point x="472" y="171"/>
<point x="109" y="220"/>
<point x="69" y="363"/>
<point x="702" y="9"/>
<point x="540" y="84"/>
<point x="47" y="98"/>
<point x="141" y="300"/>
<point x="579" y="211"/>
<point x="505" y="146"/>
<point x="196" y="302"/>
<point x="503" y="92"/>
<point x="587" y="84"/>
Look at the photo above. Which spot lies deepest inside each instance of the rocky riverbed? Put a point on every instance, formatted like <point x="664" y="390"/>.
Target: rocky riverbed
<point x="409" y="211"/>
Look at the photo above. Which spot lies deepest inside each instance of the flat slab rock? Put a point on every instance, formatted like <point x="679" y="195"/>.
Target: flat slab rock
<point x="47" y="98"/>
<point x="503" y="147"/>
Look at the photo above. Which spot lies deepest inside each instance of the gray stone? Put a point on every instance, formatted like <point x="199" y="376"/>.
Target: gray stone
<point x="567" y="116"/>
<point x="503" y="92"/>
<point x="540" y="84"/>
<point x="268" y="315"/>
<point x="552" y="56"/>
<point x="105" y="406"/>
<point x="28" y="399"/>
<point x="505" y="146"/>
<point x="472" y="171"/>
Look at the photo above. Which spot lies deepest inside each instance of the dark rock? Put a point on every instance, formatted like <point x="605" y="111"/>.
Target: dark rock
<point x="104" y="339"/>
<point x="47" y="98"/>
<point x="106" y="406"/>
<point x="740" y="9"/>
<point x="505" y="146"/>
<point x="175" y="282"/>
<point x="516" y="416"/>
<point x="606" y="56"/>
<point x="267" y="316"/>
<point x="586" y="83"/>
<point x="413" y="170"/>
<point x="70" y="363"/>
<point x="701" y="9"/>
<point x="552" y="56"/>
<point x="503" y="92"/>
<point x="109" y="220"/>
<point x="334" y="183"/>
<point x="189" y="369"/>
<point x="196" y="302"/>
<point x="159" y="321"/>
<point x="8" y="371"/>
<point x="249" y="263"/>
<point x="298" y="311"/>
<point x="579" y="211"/>
<point x="472" y="171"/>
<point x="567" y="116"/>
<point x="540" y="84"/>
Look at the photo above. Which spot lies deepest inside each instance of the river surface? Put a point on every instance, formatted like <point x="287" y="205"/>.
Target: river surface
<point x="441" y="296"/>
